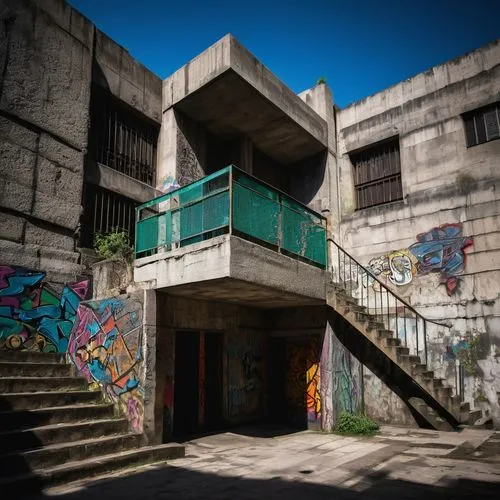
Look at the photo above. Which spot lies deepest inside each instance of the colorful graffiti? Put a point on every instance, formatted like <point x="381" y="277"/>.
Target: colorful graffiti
<point x="169" y="184"/>
<point x="440" y="249"/>
<point x="346" y="380"/>
<point x="33" y="316"/>
<point x="105" y="345"/>
<point x="313" y="398"/>
<point x="245" y="357"/>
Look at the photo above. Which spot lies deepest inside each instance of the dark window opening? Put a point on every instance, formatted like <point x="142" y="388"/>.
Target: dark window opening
<point x="482" y="125"/>
<point x="121" y="139"/>
<point x="104" y="212"/>
<point x="377" y="174"/>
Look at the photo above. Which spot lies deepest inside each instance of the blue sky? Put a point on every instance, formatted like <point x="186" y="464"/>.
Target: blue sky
<point x="359" y="46"/>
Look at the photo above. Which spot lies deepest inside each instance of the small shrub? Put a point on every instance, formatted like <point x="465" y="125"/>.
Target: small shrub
<point x="350" y="423"/>
<point x="113" y="245"/>
<point x="321" y="80"/>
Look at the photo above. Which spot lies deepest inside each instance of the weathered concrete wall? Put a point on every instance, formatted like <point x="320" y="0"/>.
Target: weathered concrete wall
<point x="46" y="59"/>
<point x="451" y="198"/>
<point x="118" y="72"/>
<point x="107" y="345"/>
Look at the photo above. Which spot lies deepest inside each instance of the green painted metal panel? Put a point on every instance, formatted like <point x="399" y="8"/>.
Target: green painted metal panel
<point x="255" y="214"/>
<point x="146" y="234"/>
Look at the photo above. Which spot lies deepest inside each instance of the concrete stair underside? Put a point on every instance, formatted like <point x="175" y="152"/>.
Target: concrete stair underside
<point x="53" y="430"/>
<point x="443" y="410"/>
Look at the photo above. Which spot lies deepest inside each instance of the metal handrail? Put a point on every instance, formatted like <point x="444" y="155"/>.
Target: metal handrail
<point x="377" y="298"/>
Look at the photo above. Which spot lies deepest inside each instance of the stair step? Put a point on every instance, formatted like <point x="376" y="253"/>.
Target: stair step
<point x="30" y="369"/>
<point x="402" y="351"/>
<point x="77" y="470"/>
<point x="31" y="357"/>
<point x="383" y="334"/>
<point x="474" y="415"/>
<point x="392" y="341"/>
<point x="56" y="454"/>
<point x="20" y="419"/>
<point x="36" y="384"/>
<point x="428" y="373"/>
<point x="42" y="399"/>
<point x="36" y="437"/>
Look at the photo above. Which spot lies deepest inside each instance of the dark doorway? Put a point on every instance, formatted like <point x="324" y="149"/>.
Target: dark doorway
<point x="213" y="381"/>
<point x="277" y="403"/>
<point x="186" y="394"/>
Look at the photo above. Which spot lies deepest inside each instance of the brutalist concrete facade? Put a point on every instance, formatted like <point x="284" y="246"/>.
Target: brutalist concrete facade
<point x="225" y="107"/>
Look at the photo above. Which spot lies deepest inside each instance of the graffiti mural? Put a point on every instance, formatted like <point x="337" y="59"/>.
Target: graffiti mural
<point x="105" y="345"/>
<point x="169" y="184"/>
<point x="313" y="398"/>
<point x="245" y="374"/>
<point x="346" y="380"/>
<point x="440" y="249"/>
<point x="33" y="316"/>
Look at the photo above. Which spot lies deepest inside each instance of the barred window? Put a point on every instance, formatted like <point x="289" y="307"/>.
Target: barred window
<point x="105" y="211"/>
<point x="482" y="125"/>
<point x="377" y="174"/>
<point x="122" y="139"/>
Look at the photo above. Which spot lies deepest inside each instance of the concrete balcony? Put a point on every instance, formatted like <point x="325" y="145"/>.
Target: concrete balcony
<point x="231" y="238"/>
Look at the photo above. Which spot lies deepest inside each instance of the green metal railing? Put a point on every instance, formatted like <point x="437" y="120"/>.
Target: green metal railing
<point x="231" y="201"/>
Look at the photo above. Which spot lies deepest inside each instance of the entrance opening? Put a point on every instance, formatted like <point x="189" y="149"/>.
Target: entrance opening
<point x="186" y="394"/>
<point x="294" y="397"/>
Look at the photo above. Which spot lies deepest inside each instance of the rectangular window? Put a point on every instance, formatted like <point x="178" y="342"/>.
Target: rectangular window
<point x="105" y="211"/>
<point x="377" y="174"/>
<point x="122" y="139"/>
<point x="482" y="125"/>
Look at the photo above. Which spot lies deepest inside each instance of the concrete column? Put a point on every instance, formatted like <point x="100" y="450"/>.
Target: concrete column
<point x="320" y="99"/>
<point x="151" y="430"/>
<point x="246" y="155"/>
<point x="182" y="150"/>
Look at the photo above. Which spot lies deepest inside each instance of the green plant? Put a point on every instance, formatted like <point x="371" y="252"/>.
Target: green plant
<point x="113" y="245"/>
<point x="350" y="423"/>
<point x="321" y="80"/>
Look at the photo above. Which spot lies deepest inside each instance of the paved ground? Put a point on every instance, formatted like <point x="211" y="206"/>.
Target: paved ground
<point x="397" y="463"/>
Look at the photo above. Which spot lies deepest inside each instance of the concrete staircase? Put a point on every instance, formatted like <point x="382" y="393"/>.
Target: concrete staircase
<point x="53" y="430"/>
<point x="430" y="400"/>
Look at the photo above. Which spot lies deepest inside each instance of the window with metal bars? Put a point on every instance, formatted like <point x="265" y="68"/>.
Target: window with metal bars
<point x="104" y="212"/>
<point x="377" y="174"/>
<point x="482" y="125"/>
<point x="122" y="139"/>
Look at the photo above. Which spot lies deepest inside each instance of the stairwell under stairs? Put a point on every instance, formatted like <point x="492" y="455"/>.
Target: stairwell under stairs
<point x="398" y="360"/>
<point x="53" y="430"/>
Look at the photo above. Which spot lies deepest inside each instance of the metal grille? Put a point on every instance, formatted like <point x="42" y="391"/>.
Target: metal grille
<point x="105" y="211"/>
<point x="482" y="125"/>
<point x="122" y="140"/>
<point x="377" y="175"/>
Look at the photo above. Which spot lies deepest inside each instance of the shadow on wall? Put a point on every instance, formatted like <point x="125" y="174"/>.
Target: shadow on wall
<point x="33" y="316"/>
<point x="105" y="345"/>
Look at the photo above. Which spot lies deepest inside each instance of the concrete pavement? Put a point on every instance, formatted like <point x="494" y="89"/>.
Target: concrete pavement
<point x="396" y="463"/>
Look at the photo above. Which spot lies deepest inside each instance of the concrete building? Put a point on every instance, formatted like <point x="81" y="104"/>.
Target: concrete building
<point x="301" y="260"/>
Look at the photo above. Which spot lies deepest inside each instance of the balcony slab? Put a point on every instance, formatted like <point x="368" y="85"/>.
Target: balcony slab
<point x="231" y="269"/>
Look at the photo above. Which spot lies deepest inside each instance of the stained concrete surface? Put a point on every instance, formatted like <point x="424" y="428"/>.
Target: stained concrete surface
<point x="396" y="463"/>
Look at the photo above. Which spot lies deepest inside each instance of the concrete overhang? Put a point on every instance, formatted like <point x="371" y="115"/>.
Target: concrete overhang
<point x="231" y="93"/>
<point x="230" y="269"/>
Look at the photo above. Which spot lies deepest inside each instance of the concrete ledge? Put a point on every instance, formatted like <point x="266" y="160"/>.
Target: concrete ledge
<point x="230" y="269"/>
